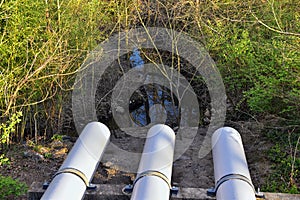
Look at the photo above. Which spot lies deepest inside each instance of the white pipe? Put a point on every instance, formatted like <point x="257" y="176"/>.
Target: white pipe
<point x="81" y="163"/>
<point x="155" y="168"/>
<point x="230" y="160"/>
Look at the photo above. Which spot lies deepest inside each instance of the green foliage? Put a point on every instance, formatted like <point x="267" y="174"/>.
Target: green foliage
<point x="37" y="148"/>
<point x="254" y="43"/>
<point x="4" y="160"/>
<point x="283" y="177"/>
<point x="276" y="82"/>
<point x="48" y="155"/>
<point x="7" y="128"/>
<point x="257" y="51"/>
<point x="6" y="131"/>
<point x="56" y="137"/>
<point x="10" y="188"/>
<point x="42" y="45"/>
<point x="284" y="155"/>
<point x="256" y="47"/>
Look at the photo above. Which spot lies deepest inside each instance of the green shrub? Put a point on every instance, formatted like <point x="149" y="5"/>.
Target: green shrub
<point x="6" y="130"/>
<point x="9" y="127"/>
<point x="284" y="156"/>
<point x="11" y="188"/>
<point x="42" y="45"/>
<point x="57" y="137"/>
<point x="256" y="47"/>
<point x="4" y="160"/>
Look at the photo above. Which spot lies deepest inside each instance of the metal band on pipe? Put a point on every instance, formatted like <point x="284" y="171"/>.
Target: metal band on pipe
<point x="213" y="191"/>
<point x="75" y="172"/>
<point x="153" y="173"/>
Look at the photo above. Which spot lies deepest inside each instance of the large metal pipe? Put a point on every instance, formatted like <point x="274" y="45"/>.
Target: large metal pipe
<point x="76" y="172"/>
<point x="231" y="172"/>
<point x="155" y="169"/>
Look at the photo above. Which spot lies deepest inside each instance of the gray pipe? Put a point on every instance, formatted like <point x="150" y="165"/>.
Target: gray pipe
<point x="76" y="172"/>
<point x="155" y="168"/>
<point x="232" y="176"/>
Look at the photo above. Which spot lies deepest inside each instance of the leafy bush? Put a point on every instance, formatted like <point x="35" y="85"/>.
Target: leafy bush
<point x="284" y="155"/>
<point x="11" y="188"/>
<point x="285" y="172"/>
<point x="4" y="160"/>
<point x="257" y="51"/>
<point x="255" y="45"/>
<point x="6" y="129"/>
<point x="42" y="46"/>
<point x="57" y="137"/>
